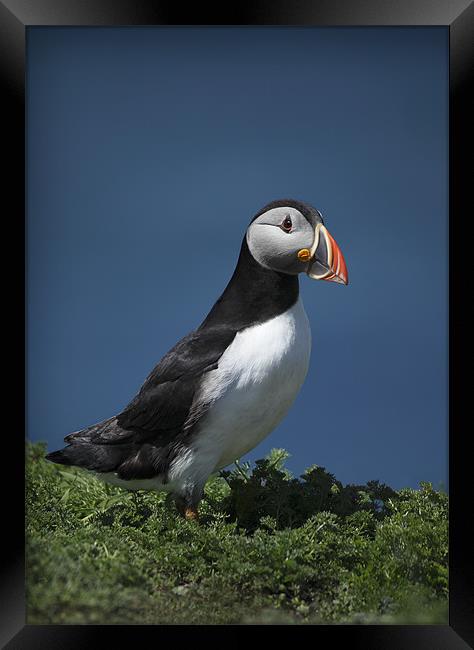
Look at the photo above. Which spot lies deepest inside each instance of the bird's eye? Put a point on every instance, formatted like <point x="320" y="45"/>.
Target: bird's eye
<point x="287" y="224"/>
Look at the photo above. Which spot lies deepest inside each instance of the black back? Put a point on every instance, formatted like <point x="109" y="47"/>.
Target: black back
<point x="254" y="295"/>
<point x="143" y="439"/>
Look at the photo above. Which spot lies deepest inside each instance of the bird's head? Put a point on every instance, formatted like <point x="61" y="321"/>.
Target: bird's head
<point x="290" y="237"/>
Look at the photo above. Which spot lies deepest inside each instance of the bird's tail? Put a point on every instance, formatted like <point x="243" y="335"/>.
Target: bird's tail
<point x="98" y="458"/>
<point x="59" y="457"/>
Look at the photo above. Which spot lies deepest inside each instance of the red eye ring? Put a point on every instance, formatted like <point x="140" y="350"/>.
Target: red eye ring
<point x="286" y="224"/>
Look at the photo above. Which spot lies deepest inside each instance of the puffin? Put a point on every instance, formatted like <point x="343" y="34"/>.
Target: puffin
<point x="226" y="385"/>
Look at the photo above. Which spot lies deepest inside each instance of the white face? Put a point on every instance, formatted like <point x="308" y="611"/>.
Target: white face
<point x="276" y="236"/>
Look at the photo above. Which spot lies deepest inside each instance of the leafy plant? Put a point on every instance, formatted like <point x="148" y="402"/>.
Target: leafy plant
<point x="269" y="548"/>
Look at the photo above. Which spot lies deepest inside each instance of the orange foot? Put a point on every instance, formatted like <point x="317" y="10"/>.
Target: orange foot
<point x="191" y="513"/>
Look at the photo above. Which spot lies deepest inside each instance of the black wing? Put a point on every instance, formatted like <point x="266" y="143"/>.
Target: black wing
<point x="140" y="442"/>
<point x="161" y="407"/>
<point x="164" y="401"/>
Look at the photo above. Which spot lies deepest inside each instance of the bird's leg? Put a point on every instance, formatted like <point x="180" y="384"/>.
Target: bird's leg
<point x="187" y="506"/>
<point x="180" y="504"/>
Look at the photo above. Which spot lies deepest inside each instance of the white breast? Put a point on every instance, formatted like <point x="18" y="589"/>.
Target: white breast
<point x="257" y="380"/>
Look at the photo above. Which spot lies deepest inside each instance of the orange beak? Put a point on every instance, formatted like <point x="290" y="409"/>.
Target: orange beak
<point x="327" y="261"/>
<point x="337" y="264"/>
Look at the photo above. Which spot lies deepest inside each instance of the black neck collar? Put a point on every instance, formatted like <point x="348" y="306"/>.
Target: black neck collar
<point x="254" y="295"/>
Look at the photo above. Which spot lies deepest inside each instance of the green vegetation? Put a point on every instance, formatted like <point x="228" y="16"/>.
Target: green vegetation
<point x="269" y="548"/>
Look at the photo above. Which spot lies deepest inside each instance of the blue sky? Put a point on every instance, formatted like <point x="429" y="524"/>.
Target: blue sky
<point x="149" y="150"/>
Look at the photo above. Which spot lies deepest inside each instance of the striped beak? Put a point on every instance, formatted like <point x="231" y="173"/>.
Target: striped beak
<point x="326" y="261"/>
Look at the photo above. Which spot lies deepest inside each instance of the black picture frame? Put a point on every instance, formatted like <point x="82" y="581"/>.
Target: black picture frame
<point x="458" y="16"/>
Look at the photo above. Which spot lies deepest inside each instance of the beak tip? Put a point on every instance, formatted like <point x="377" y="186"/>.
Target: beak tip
<point x="335" y="263"/>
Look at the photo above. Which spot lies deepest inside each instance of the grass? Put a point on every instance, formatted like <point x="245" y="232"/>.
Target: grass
<point x="269" y="548"/>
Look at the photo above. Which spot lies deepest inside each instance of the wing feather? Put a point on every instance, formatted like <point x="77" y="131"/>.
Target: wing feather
<point x="163" y="403"/>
